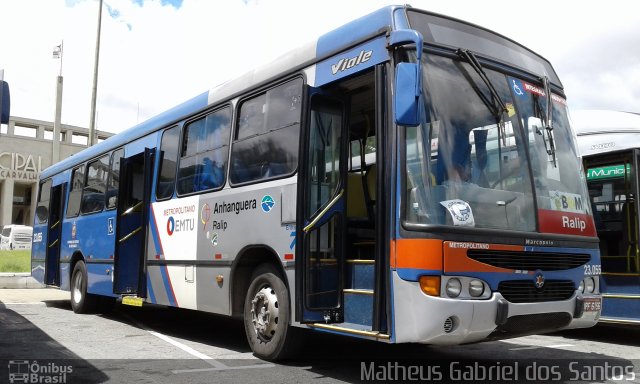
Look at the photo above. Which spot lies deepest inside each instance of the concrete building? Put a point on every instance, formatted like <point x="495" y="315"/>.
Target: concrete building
<point x="26" y="148"/>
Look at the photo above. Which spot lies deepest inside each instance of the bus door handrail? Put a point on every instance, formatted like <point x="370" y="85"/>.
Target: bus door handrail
<point x="131" y="209"/>
<point x="323" y="212"/>
<point x="130" y="234"/>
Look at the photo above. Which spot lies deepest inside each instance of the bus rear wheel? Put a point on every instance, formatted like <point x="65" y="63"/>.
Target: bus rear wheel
<point x="266" y="315"/>
<point x="81" y="301"/>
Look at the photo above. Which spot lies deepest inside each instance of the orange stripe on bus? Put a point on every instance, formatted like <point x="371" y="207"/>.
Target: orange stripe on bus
<point x="456" y="260"/>
<point x="417" y="254"/>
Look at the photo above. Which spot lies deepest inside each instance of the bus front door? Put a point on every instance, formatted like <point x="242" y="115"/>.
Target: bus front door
<point x="131" y="226"/>
<point x="54" y="231"/>
<point x="321" y="227"/>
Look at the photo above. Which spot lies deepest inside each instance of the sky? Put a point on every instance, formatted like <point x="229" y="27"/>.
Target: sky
<point x="157" y="54"/>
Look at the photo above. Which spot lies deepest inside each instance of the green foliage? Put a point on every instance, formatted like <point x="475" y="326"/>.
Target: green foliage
<point x="15" y="261"/>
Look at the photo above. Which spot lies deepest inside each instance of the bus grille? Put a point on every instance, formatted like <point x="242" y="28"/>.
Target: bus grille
<point x="523" y="325"/>
<point x="524" y="291"/>
<point x="22" y="239"/>
<point x="529" y="261"/>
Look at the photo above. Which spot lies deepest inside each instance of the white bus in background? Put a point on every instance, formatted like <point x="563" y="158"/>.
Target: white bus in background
<point x="16" y="237"/>
<point x="609" y="143"/>
<point x="601" y="131"/>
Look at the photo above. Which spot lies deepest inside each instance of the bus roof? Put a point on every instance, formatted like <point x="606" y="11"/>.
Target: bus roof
<point x="595" y="121"/>
<point x="601" y="131"/>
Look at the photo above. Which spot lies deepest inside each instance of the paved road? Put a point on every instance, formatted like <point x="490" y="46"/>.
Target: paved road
<point x="40" y="333"/>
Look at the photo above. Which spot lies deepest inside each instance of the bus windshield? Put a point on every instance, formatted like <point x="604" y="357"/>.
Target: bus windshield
<point x="483" y="157"/>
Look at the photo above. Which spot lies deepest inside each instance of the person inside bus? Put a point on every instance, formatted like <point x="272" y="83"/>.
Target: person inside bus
<point x="481" y="158"/>
<point x="210" y="176"/>
<point x="459" y="160"/>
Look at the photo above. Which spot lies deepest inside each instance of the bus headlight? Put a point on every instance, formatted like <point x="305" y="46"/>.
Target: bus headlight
<point x="453" y="287"/>
<point x="581" y="286"/>
<point x="589" y="285"/>
<point x="476" y="288"/>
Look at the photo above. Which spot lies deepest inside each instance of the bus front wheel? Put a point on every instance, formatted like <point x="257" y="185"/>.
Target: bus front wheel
<point x="81" y="301"/>
<point x="266" y="315"/>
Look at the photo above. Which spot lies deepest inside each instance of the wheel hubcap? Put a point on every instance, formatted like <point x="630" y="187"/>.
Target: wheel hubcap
<point x="77" y="288"/>
<point x="265" y="313"/>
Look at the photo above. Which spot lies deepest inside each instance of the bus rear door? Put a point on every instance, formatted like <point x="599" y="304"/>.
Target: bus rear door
<point x="131" y="223"/>
<point x="54" y="232"/>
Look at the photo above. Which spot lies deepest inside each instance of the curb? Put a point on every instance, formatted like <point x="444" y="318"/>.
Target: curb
<point x="18" y="281"/>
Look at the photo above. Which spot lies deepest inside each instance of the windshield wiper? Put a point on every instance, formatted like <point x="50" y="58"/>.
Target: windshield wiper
<point x="548" y="122"/>
<point x="547" y="90"/>
<point x="498" y="107"/>
<point x="471" y="58"/>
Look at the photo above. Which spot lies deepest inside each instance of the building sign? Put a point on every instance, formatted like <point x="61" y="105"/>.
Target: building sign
<point x="17" y="166"/>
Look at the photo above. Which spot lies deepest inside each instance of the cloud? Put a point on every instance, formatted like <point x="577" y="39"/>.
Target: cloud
<point x="602" y="70"/>
<point x="173" y="3"/>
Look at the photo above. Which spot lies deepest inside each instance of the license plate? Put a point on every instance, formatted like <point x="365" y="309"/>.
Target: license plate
<point x="592" y="304"/>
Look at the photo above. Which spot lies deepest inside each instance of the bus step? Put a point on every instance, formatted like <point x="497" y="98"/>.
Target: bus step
<point x="363" y="249"/>
<point x="353" y="329"/>
<point x="360" y="274"/>
<point x="133" y="301"/>
<point x="358" y="306"/>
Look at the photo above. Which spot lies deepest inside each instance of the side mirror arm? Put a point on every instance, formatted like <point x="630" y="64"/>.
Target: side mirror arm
<point x="407" y="36"/>
<point x="408" y="76"/>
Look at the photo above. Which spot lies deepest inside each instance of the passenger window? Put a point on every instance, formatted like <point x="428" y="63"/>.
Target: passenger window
<point x="204" y="152"/>
<point x="75" y="194"/>
<point x="42" y="210"/>
<point x="356" y="160"/>
<point x="114" y="179"/>
<point x="95" y="186"/>
<point x="168" y="161"/>
<point x="266" y="141"/>
<point x="325" y="139"/>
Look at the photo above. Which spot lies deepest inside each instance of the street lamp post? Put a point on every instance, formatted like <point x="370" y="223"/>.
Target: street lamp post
<point x="92" y="121"/>
<point x="55" y="141"/>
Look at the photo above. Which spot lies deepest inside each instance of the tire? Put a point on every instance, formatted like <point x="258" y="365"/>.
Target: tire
<point x="266" y="315"/>
<point x="81" y="301"/>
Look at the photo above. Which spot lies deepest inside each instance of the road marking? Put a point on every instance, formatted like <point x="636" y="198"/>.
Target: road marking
<point x="541" y="346"/>
<point x="224" y="368"/>
<point x="187" y="349"/>
<point x="217" y="365"/>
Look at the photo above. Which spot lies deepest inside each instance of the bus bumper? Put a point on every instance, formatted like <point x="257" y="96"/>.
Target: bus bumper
<point x="419" y="318"/>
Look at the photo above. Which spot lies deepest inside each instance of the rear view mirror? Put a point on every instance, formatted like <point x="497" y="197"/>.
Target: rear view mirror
<point x="42" y="213"/>
<point x="408" y="89"/>
<point x="406" y="102"/>
<point x="5" y="102"/>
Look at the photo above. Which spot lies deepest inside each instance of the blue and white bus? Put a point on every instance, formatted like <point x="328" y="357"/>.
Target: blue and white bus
<point x="609" y="142"/>
<point x="407" y="177"/>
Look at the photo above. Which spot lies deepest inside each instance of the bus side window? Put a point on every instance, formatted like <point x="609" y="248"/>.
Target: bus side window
<point x="266" y="140"/>
<point x="44" y="194"/>
<point x="168" y="163"/>
<point x="114" y="179"/>
<point x="94" y="191"/>
<point x="75" y="193"/>
<point x="205" y="147"/>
